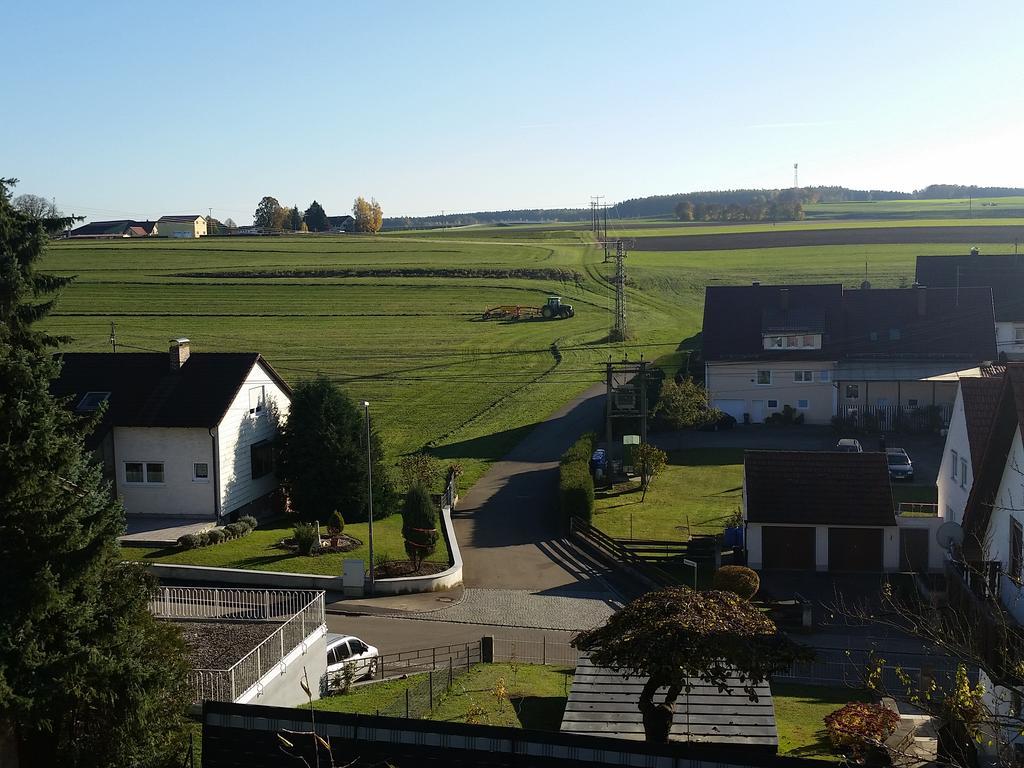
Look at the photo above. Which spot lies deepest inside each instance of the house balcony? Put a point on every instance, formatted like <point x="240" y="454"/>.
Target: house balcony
<point x="917" y="509"/>
<point x="896" y="418"/>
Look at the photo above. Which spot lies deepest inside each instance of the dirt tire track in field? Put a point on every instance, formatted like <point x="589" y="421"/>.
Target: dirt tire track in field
<point x="727" y="241"/>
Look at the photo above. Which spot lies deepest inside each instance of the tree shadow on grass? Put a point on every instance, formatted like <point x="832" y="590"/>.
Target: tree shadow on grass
<point x="539" y="713"/>
<point x="255" y="562"/>
<point x="156" y="554"/>
<point x="705" y="457"/>
<point x="493" y="446"/>
<point x="612" y="494"/>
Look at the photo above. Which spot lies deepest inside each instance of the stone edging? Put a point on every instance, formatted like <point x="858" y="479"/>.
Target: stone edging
<point x="399" y="585"/>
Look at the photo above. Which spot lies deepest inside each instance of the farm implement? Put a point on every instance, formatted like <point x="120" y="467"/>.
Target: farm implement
<point x="554" y="309"/>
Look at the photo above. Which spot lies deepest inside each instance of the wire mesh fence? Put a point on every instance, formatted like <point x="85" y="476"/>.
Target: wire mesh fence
<point x="460" y="656"/>
<point x="424" y="692"/>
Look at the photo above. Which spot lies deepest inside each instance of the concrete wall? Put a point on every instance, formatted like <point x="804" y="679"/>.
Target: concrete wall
<point x="1006" y="340"/>
<point x="280" y="686"/>
<point x="738" y="381"/>
<point x="953" y="493"/>
<point x="890" y="545"/>
<point x="178" y="450"/>
<point x="238" y="431"/>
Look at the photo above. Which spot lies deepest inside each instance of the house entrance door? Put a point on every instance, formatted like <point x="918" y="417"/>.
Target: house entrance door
<point x="756" y="411"/>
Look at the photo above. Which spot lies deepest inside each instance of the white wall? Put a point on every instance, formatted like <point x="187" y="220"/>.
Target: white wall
<point x="738" y="381"/>
<point x="1006" y="336"/>
<point x="237" y="432"/>
<point x="953" y="497"/>
<point x="178" y="449"/>
<point x="280" y="686"/>
<point x="1009" y="505"/>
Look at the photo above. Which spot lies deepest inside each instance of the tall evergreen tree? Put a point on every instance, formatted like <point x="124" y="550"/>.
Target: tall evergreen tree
<point x="321" y="456"/>
<point x="87" y="676"/>
<point x="316" y="218"/>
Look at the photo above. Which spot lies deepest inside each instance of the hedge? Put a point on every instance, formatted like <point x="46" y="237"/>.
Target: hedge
<point x="738" y="579"/>
<point x="575" y="483"/>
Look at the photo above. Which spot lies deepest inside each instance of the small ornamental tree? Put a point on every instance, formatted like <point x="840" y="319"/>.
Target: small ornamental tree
<point x="419" y="469"/>
<point x="651" y="461"/>
<point x="738" y="579"/>
<point x="674" y="635"/>
<point x="419" y="525"/>
<point x="857" y="728"/>
<point x="684" y="405"/>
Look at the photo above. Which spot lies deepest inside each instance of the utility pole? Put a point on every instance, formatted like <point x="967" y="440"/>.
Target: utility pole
<point x="796" y="176"/>
<point x="369" y="490"/>
<point x="619" y="329"/>
<point x="113" y="337"/>
<point x="625" y="397"/>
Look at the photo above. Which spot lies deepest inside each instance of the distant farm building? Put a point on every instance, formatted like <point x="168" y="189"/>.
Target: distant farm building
<point x="341" y="223"/>
<point x="182" y="226"/>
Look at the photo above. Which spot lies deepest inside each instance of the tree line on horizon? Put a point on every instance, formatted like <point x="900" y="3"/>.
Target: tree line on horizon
<point x="270" y="214"/>
<point x="665" y="205"/>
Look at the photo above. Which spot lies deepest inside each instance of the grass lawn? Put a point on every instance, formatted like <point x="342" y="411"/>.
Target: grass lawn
<point x="257" y="552"/>
<point x="534" y="696"/>
<point x="799" y="714"/>
<point x="922" y="494"/>
<point x="696" y="492"/>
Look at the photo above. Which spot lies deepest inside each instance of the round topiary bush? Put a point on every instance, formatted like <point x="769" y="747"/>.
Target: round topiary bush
<point x="216" y="536"/>
<point x="188" y="541"/>
<point x="249" y="520"/>
<point x="203" y="538"/>
<point x="737" y="579"/>
<point x="337" y="524"/>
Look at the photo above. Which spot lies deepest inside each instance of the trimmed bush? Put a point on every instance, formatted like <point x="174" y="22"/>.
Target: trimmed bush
<point x="857" y="728"/>
<point x="234" y="530"/>
<point x="307" y="538"/>
<point x="215" y="536"/>
<point x="419" y="525"/>
<point x="188" y="541"/>
<point x="581" y="450"/>
<point x="204" y="538"/>
<point x="738" y="579"/>
<point x="337" y="524"/>
<point x="576" y="491"/>
<point x="249" y="520"/>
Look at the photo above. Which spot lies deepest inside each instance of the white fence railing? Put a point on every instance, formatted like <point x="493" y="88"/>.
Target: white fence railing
<point x="185" y="603"/>
<point x="300" y="613"/>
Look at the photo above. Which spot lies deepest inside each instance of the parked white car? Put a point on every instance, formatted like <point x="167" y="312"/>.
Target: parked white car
<point x="345" y="650"/>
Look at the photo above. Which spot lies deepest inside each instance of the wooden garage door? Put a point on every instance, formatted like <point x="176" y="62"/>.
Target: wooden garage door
<point x="855" y="549"/>
<point x="914" y="549"/>
<point x="787" y="547"/>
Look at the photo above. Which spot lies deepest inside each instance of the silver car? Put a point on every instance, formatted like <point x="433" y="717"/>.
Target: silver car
<point x="346" y="650"/>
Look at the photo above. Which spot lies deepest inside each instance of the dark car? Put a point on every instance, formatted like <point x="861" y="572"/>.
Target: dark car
<point x="900" y="466"/>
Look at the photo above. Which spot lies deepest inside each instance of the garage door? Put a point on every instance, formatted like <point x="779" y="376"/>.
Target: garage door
<point x="735" y="408"/>
<point x="914" y="549"/>
<point x="787" y="547"/>
<point x="855" y="549"/>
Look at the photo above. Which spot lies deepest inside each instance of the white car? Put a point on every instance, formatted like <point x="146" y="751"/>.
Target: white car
<point x="343" y="650"/>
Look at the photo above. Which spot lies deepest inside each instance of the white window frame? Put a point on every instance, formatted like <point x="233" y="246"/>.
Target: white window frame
<point x="261" y="400"/>
<point x="824" y="375"/>
<point x="805" y="406"/>
<point x="803" y="377"/>
<point x="963" y="472"/>
<point x="145" y="473"/>
<point x="757" y="378"/>
<point x="855" y="396"/>
<point x="195" y="475"/>
<point x="955" y="465"/>
<point x="769" y="404"/>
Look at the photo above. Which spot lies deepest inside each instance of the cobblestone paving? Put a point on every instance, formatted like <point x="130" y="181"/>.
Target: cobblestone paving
<point x="571" y="610"/>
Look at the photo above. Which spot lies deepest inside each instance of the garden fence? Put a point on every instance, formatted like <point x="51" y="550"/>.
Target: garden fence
<point x="541" y="651"/>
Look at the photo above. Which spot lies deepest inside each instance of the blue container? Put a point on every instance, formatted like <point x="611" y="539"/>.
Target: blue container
<point x="733" y="537"/>
<point x="599" y="461"/>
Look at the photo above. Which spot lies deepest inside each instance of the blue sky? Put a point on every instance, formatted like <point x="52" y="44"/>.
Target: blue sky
<point x="136" y="109"/>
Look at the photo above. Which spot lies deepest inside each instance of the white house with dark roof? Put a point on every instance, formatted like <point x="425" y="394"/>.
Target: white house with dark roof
<point x="189" y="226"/>
<point x="183" y="434"/>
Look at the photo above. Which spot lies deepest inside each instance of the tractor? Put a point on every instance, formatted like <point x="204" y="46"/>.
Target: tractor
<point x="555" y="309"/>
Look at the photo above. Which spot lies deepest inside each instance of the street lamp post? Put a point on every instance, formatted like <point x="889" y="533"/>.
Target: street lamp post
<point x="369" y="485"/>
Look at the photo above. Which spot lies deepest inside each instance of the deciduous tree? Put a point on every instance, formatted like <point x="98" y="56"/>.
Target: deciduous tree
<point x="368" y="215"/>
<point x="316" y="218"/>
<point x="269" y="214"/>
<point x="651" y="460"/>
<point x="684" y="405"/>
<point x="87" y="676"/>
<point x="674" y="636"/>
<point x="322" y="456"/>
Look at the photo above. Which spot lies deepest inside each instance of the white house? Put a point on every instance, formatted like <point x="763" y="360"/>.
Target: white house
<point x="189" y="226"/>
<point x="825" y="350"/>
<point x="1003" y="273"/>
<point x="184" y="434"/>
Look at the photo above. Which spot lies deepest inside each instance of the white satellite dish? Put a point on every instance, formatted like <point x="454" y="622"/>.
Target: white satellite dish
<point x="948" y="534"/>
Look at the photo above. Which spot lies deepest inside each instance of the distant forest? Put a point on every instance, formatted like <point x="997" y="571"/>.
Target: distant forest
<point x="710" y="205"/>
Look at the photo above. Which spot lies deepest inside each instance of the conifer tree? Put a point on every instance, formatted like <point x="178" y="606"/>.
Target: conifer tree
<point x="87" y="676"/>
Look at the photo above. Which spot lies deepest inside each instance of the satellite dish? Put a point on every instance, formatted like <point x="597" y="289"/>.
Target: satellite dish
<point x="948" y="534"/>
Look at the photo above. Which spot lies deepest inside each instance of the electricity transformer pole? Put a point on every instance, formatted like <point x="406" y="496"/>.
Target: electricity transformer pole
<point x="619" y="330"/>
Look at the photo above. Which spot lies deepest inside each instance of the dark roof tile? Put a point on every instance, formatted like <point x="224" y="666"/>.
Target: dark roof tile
<point x="1003" y="273"/>
<point x="981" y="399"/>
<point x="817" y="488"/>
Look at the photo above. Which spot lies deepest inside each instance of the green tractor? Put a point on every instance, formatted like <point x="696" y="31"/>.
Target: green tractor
<point x="555" y="309"/>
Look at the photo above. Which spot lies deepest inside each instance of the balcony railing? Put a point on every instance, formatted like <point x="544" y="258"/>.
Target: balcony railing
<point x="896" y="418"/>
<point x="917" y="509"/>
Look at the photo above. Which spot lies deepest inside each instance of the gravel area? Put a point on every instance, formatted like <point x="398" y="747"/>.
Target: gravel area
<point x="572" y="610"/>
<point x="219" y="644"/>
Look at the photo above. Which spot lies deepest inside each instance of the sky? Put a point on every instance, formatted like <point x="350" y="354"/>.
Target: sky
<point x="136" y="110"/>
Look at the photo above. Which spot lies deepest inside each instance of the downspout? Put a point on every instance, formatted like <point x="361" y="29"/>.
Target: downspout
<point x="215" y="465"/>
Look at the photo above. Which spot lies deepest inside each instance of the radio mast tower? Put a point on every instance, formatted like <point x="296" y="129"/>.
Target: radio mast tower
<point x="796" y="177"/>
<point x="619" y="328"/>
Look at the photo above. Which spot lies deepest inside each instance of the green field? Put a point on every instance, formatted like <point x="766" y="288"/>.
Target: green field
<point x="257" y="551"/>
<point x="395" y="319"/>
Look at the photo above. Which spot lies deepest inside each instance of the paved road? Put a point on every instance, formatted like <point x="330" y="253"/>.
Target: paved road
<point x="507" y="523"/>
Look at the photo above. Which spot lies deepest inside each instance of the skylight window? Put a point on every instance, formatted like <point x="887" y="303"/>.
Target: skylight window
<point x="92" y="401"/>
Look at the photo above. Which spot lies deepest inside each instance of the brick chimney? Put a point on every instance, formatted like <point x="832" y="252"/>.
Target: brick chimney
<point x="922" y="299"/>
<point x="179" y="353"/>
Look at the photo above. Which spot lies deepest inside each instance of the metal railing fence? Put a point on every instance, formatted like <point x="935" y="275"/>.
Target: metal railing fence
<point x="185" y="603"/>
